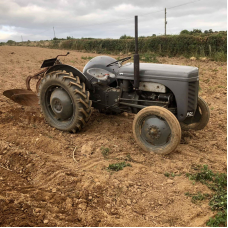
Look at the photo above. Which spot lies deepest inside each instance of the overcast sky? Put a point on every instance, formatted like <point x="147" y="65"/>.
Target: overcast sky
<point x="35" y="19"/>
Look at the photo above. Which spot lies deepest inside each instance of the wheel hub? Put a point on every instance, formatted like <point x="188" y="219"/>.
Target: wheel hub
<point x="61" y="104"/>
<point x="57" y="105"/>
<point x="155" y="130"/>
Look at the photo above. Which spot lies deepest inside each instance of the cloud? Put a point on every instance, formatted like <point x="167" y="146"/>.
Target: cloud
<point x="35" y="19"/>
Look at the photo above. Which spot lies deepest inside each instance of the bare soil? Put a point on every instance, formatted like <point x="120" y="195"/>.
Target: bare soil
<point x="42" y="185"/>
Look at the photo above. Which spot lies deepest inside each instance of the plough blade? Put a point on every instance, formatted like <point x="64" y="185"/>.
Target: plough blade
<point x="22" y="96"/>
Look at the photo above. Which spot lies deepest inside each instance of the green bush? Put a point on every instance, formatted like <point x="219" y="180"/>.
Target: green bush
<point x="69" y="38"/>
<point x="10" y="42"/>
<point x="176" y="45"/>
<point x="220" y="56"/>
<point x="126" y="37"/>
<point x="184" y="32"/>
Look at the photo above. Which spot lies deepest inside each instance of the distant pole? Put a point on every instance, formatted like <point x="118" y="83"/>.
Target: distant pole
<point x="54" y="31"/>
<point x="165" y="22"/>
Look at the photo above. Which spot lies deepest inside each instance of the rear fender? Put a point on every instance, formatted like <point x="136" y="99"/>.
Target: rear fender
<point x="74" y="71"/>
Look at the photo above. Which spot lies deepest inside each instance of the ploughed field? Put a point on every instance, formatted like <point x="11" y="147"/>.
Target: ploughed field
<point x="41" y="184"/>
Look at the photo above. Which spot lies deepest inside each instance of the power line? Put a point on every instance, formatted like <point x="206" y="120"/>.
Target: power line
<point x="183" y="4"/>
<point x="142" y="15"/>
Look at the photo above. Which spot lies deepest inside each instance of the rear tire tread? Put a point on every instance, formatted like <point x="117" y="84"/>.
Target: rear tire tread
<point x="78" y="91"/>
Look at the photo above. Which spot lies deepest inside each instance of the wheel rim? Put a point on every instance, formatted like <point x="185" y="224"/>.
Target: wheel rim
<point x="59" y="104"/>
<point x="155" y="131"/>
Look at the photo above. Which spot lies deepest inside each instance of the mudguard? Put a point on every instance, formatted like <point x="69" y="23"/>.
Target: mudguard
<point x="69" y="69"/>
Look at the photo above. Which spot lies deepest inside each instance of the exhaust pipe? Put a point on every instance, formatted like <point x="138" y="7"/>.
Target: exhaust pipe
<point x="136" y="57"/>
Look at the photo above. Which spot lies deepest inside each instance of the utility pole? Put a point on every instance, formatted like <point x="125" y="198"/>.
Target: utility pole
<point x="165" y="22"/>
<point x="54" y="31"/>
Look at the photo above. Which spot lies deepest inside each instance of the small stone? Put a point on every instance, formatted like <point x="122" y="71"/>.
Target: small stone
<point x="87" y="148"/>
<point x="116" y="182"/>
<point x="124" y="189"/>
<point x="54" y="190"/>
<point x="82" y="206"/>
<point x="128" y="202"/>
<point x="130" y="183"/>
<point x="37" y="210"/>
<point x="169" y="181"/>
<point x="69" y="203"/>
<point x="46" y="221"/>
<point x="108" y="205"/>
<point x="217" y="96"/>
<point x="90" y="197"/>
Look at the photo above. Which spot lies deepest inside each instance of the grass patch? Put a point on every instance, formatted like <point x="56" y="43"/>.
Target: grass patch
<point x="149" y="58"/>
<point x="220" y="57"/>
<point x="171" y="174"/>
<point x="105" y="151"/>
<point x="86" y="57"/>
<point x="220" y="86"/>
<point x="129" y="158"/>
<point x="218" y="200"/>
<point x="197" y="197"/>
<point x="118" y="166"/>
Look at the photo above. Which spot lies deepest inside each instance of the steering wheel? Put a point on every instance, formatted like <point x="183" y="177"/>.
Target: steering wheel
<point x="118" y="61"/>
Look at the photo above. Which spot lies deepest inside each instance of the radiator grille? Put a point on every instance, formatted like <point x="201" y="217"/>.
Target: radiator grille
<point x="192" y="95"/>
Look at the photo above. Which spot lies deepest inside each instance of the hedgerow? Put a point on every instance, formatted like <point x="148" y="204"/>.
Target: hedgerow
<point x="212" y="45"/>
<point x="164" y="45"/>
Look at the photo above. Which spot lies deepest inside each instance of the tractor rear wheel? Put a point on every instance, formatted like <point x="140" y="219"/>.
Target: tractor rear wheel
<point x="156" y="130"/>
<point x="202" y="117"/>
<point x="64" y="101"/>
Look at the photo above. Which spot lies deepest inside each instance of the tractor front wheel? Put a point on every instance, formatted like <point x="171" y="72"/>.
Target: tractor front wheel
<point x="64" y="101"/>
<point x="156" y="130"/>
